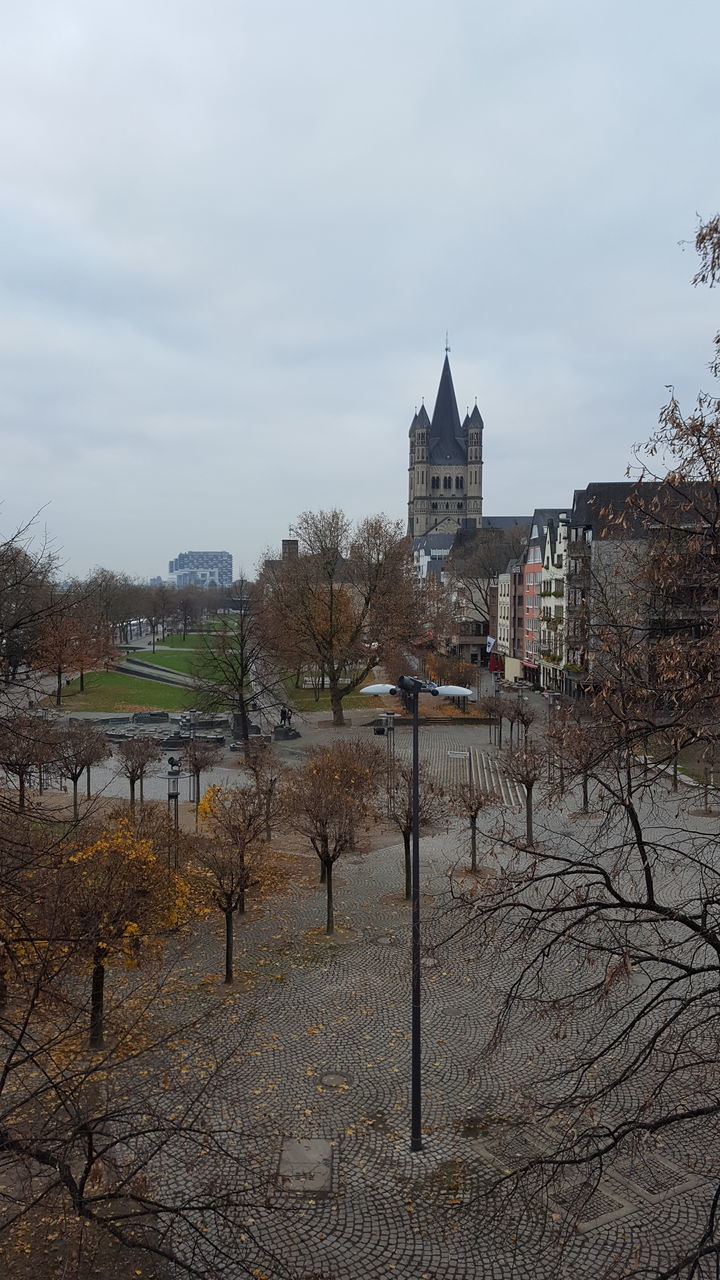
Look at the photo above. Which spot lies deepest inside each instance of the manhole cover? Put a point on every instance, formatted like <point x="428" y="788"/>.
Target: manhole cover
<point x="334" y="1079"/>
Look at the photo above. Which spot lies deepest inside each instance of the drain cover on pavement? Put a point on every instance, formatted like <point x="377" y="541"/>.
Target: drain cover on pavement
<point x="334" y="1079"/>
<point x="305" y="1166"/>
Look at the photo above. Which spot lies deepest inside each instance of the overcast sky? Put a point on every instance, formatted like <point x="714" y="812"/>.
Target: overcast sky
<point x="233" y="236"/>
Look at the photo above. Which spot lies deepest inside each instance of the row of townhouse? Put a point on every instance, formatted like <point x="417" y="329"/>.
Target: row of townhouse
<point x="552" y="602"/>
<point x="540" y="620"/>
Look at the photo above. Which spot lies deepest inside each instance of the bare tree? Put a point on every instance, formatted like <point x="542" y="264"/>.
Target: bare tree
<point x="232" y="670"/>
<point x="267" y="774"/>
<point x="135" y="757"/>
<point x="235" y="820"/>
<point x="198" y="757"/>
<point x="346" y="601"/>
<point x="24" y="739"/>
<point x="627" y="902"/>
<point x="470" y="799"/>
<point x="526" y="766"/>
<point x="324" y="800"/>
<point x="78" y="747"/>
<point x="476" y="560"/>
<point x="433" y="807"/>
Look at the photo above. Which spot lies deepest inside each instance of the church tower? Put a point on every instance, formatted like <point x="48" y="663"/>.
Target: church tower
<point x="445" y="472"/>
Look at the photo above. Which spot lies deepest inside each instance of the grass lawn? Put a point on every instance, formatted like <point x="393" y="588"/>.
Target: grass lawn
<point x="176" y="641"/>
<point x="174" y="661"/>
<point x="304" y="699"/>
<point x="112" y="691"/>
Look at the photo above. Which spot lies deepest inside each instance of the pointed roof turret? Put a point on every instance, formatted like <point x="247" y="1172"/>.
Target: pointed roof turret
<point x="445" y="430"/>
<point x="475" y="418"/>
<point x="413" y="424"/>
<point x="422" y="417"/>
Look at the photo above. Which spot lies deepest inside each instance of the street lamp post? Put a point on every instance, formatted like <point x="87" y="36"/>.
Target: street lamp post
<point x="173" y="784"/>
<point x="410" y="688"/>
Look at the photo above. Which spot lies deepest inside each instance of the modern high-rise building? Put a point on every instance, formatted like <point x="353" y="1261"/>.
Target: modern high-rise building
<point x="202" y="569"/>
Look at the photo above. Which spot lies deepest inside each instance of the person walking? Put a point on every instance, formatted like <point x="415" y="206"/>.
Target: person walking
<point x="283" y="715"/>
<point x="288" y="717"/>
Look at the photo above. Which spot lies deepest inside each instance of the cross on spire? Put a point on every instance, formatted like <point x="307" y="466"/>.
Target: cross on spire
<point x="447" y="345"/>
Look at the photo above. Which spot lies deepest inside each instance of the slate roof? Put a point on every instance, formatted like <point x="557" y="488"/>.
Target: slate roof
<point x="475" y="418"/>
<point x="446" y="443"/>
<point x="428" y="542"/>
<point x="540" y="517"/>
<point x="506" y="522"/>
<point x="645" y="504"/>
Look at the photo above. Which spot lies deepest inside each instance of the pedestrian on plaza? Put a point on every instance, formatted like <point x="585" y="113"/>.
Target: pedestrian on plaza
<point x="283" y="715"/>
<point x="289" y="717"/>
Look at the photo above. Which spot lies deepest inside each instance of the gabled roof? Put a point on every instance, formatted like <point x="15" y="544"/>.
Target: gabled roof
<point x="446" y="432"/>
<point x="540" y="518"/>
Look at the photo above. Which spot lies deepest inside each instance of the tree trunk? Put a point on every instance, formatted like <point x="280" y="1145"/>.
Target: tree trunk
<point x="330" y="924"/>
<point x="132" y="794"/>
<point x="82" y="680"/>
<point x="97" y="1007"/>
<point x="323" y="872"/>
<point x="336" y="704"/>
<point x="408" y="870"/>
<point x="88" y="792"/>
<point x="473" y="842"/>
<point x="141" y="780"/>
<point x="241" y="894"/>
<point x="499" y="731"/>
<point x="244" y="721"/>
<point x="21" y="789"/>
<point x="529" y="815"/>
<point x="228" y="946"/>
<point x="585" y="793"/>
<point x="74" y="781"/>
<point x="3" y="976"/>
<point x="58" y="687"/>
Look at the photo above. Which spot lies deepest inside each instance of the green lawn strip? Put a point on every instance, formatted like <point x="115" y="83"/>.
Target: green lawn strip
<point x="113" y="691"/>
<point x="304" y="699"/>
<point x="173" y="660"/>
<point x="193" y="641"/>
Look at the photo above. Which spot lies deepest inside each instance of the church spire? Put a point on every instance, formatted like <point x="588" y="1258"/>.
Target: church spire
<point x="445" y="429"/>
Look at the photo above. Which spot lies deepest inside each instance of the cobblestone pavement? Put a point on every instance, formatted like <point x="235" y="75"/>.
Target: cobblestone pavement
<point x="322" y="1058"/>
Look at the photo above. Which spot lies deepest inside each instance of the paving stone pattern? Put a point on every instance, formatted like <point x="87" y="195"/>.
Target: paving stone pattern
<point x="315" y="1108"/>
